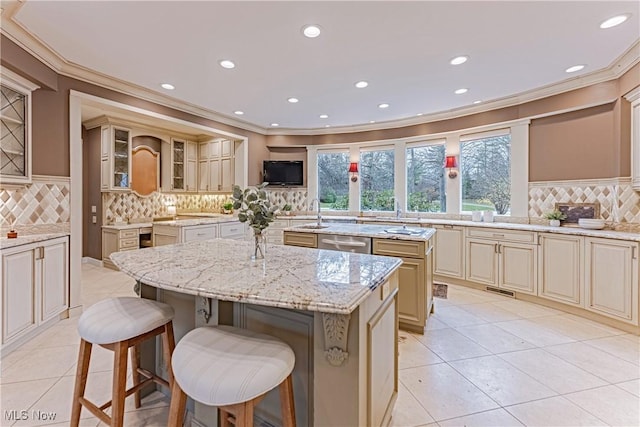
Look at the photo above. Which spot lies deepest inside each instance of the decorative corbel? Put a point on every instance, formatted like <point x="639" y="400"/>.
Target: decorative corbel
<point x="336" y="328"/>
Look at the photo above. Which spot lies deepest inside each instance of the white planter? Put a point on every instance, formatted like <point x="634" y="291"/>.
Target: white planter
<point x="554" y="222"/>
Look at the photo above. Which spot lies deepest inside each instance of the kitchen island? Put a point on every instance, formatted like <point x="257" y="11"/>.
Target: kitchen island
<point x="414" y="245"/>
<point x="338" y="311"/>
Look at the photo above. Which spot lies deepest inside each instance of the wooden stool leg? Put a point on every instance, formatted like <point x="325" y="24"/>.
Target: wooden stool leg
<point x="177" y="407"/>
<point x="168" y="344"/>
<point x="82" y="371"/>
<point x="286" y="403"/>
<point x="244" y="414"/>
<point x="224" y="418"/>
<point x="119" y="383"/>
<point x="135" y="364"/>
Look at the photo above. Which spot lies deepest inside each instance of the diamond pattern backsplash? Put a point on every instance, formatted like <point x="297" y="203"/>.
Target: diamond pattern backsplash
<point x="619" y="203"/>
<point x="45" y="201"/>
<point x="296" y="198"/>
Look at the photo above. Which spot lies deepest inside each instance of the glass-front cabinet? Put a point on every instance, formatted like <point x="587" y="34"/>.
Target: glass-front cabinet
<point x="15" y="132"/>
<point x="180" y="163"/>
<point x="115" y="158"/>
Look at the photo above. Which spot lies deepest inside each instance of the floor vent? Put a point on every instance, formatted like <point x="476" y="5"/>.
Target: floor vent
<point x="501" y="292"/>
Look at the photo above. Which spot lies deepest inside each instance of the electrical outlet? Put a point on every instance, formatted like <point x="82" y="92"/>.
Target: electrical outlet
<point x="94" y="219"/>
<point x="93" y="209"/>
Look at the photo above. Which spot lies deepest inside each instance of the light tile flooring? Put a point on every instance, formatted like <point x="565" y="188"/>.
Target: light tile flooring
<point x="485" y="360"/>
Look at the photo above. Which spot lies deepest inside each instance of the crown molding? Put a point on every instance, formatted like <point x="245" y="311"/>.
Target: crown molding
<point x="20" y="35"/>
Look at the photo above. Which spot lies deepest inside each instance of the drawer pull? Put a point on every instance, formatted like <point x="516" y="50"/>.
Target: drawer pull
<point x="448" y="226"/>
<point x="498" y="235"/>
<point x="201" y="234"/>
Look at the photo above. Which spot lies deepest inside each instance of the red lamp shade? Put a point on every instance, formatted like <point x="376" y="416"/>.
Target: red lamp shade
<point x="451" y="162"/>
<point x="353" y="167"/>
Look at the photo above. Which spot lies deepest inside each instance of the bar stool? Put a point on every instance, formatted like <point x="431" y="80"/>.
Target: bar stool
<point x="232" y="369"/>
<point x="117" y="324"/>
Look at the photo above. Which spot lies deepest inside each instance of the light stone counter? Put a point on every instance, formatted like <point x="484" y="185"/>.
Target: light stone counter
<point x="33" y="234"/>
<point x="289" y="277"/>
<point x="368" y="230"/>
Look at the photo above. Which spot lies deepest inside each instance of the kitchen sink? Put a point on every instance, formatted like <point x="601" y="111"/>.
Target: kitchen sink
<point x="396" y="219"/>
<point x="404" y="231"/>
<point x="313" y="227"/>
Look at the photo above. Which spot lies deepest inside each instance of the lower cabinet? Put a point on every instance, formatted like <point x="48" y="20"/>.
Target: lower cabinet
<point x="560" y="270"/>
<point x="170" y="234"/>
<point x="449" y="251"/>
<point x="35" y="286"/>
<point x="611" y="278"/>
<point x="114" y="240"/>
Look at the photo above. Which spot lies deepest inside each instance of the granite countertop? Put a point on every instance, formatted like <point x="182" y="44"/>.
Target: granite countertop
<point x="182" y="221"/>
<point x="289" y="277"/>
<point x="367" y="230"/>
<point x="24" y="238"/>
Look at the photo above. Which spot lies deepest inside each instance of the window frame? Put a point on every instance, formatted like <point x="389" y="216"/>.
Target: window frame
<point x="420" y="144"/>
<point x="343" y="150"/>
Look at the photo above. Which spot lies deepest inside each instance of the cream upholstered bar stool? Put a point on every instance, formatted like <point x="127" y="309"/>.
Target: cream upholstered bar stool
<point x="232" y="369"/>
<point x="118" y="324"/>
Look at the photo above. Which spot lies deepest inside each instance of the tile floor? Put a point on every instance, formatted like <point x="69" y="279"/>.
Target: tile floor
<point x="485" y="360"/>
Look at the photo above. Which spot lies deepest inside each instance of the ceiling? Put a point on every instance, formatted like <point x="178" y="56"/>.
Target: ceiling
<point x="402" y="49"/>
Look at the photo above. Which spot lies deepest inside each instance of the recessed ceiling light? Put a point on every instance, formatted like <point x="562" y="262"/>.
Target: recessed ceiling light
<point x="372" y="121"/>
<point x="225" y="63"/>
<point x="362" y="84"/>
<point x="477" y="102"/>
<point x="167" y="86"/>
<point x="292" y="100"/>
<point x="616" y="20"/>
<point x="383" y="106"/>
<point x="324" y="116"/>
<point x="311" y="31"/>
<point x="238" y="112"/>
<point x="275" y="124"/>
<point x="461" y="91"/>
<point x="327" y="126"/>
<point x="459" y="60"/>
<point x="419" y="114"/>
<point x="574" y="68"/>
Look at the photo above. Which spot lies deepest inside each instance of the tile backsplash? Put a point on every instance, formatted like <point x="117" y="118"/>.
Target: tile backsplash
<point x="44" y="202"/>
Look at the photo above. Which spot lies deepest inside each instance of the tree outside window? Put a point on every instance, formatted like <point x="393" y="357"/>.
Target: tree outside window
<point x="377" y="180"/>
<point x="425" y="178"/>
<point x="333" y="180"/>
<point x="486" y="174"/>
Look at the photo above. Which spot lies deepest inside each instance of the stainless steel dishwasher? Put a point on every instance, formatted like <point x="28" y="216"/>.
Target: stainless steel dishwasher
<point x="360" y="245"/>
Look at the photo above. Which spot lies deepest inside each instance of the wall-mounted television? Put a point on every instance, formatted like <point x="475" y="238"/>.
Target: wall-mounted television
<point x="282" y="172"/>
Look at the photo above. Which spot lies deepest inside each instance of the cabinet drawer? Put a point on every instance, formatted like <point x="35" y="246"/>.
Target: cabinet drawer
<point x="200" y="233"/>
<point x="502" y="235"/>
<point x="279" y="224"/>
<point x="129" y="243"/>
<point x="232" y="229"/>
<point x="125" y="234"/>
<point x="399" y="248"/>
<point x="306" y="240"/>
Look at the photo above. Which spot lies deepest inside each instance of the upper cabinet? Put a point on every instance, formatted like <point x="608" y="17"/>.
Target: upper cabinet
<point x="634" y="98"/>
<point x="15" y="136"/>
<point x="179" y="166"/>
<point x="115" y="160"/>
<point x="216" y="162"/>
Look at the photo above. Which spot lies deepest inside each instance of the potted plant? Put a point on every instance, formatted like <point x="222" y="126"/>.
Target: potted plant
<point x="555" y="217"/>
<point x="286" y="209"/>
<point x="254" y="208"/>
<point x="227" y="208"/>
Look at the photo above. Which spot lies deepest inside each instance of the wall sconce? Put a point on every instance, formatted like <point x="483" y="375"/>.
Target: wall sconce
<point x="353" y="170"/>
<point x="451" y="163"/>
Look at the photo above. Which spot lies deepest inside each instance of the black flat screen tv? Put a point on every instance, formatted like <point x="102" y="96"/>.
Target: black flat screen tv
<point x="282" y="172"/>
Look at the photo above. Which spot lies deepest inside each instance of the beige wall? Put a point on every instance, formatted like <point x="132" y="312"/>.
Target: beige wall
<point x="91" y="233"/>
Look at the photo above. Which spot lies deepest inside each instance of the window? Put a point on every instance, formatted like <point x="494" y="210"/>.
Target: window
<point x="485" y="163"/>
<point x="333" y="180"/>
<point x="377" y="179"/>
<point x="425" y="178"/>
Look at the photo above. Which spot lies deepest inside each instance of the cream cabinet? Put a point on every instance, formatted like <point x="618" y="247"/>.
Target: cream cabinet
<point x="634" y="98"/>
<point x="216" y="165"/>
<point x="449" y="251"/>
<point x="35" y="287"/>
<point x="611" y="278"/>
<point x="170" y="234"/>
<point x="506" y="259"/>
<point x="114" y="240"/>
<point x="179" y="166"/>
<point x="115" y="158"/>
<point x="560" y="270"/>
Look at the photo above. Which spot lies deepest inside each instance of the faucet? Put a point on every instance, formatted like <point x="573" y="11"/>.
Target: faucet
<point x="398" y="210"/>
<point x="319" y="214"/>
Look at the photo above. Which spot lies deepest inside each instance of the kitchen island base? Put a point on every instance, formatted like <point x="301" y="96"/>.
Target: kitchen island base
<point x="346" y="371"/>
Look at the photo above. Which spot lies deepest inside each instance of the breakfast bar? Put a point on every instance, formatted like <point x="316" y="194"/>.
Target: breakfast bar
<point x="337" y="310"/>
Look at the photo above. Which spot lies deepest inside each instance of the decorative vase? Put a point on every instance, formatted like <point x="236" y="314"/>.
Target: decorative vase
<point x="554" y="222"/>
<point x="260" y="244"/>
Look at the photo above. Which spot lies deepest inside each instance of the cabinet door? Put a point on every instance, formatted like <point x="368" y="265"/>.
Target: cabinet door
<point x="225" y="149"/>
<point x="121" y="158"/>
<point x="226" y="174"/>
<point x="203" y="175"/>
<point x="611" y="278"/>
<point x="105" y="141"/>
<point x="518" y="267"/>
<point x="55" y="288"/>
<point x="191" y="175"/>
<point x="178" y="165"/>
<point x="105" y="174"/>
<point x="449" y="252"/>
<point x="18" y="294"/>
<point x="560" y="268"/>
<point x="214" y="175"/>
<point x="482" y="261"/>
<point x="203" y="151"/>
<point x="214" y="149"/>
<point x="412" y="294"/>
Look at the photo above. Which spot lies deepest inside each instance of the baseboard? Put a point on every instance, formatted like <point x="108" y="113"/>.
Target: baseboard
<point x="92" y="261"/>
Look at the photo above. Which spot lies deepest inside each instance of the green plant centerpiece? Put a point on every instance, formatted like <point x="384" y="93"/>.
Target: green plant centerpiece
<point x="287" y="209"/>
<point x="227" y="207"/>
<point x="555" y="217"/>
<point x="254" y="208"/>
